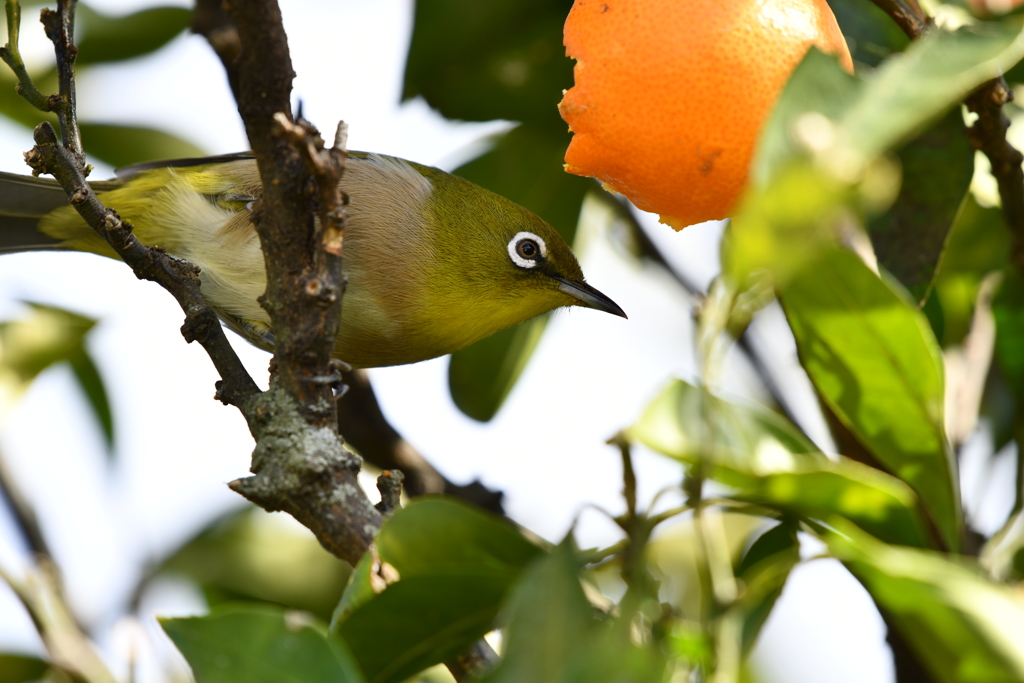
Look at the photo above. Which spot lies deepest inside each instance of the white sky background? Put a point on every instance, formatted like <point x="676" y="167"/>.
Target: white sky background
<point x="177" y="448"/>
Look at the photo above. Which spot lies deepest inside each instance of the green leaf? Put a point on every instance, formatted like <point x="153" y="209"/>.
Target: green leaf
<point x="501" y="59"/>
<point x="613" y="657"/>
<point x="434" y="535"/>
<point x="89" y="379"/>
<point x="456" y="565"/>
<point x="909" y="91"/>
<point x="870" y="34"/>
<point x="250" y="557"/>
<point x="979" y="243"/>
<point x="819" y="488"/>
<point x="874" y="360"/>
<point x="124" y="145"/>
<point x="420" y="621"/>
<point x="817" y="84"/>
<point x="782" y="227"/>
<point x="936" y="72"/>
<point x="964" y="628"/>
<point x="481" y="376"/>
<point x="764" y="569"/>
<point x="256" y="643"/>
<point x="358" y="592"/>
<point x="687" y="423"/>
<point x="1008" y="309"/>
<point x="526" y="167"/>
<point x="21" y="668"/>
<point x="106" y="39"/>
<point x="937" y="169"/>
<point x="549" y="619"/>
<point x="45" y="337"/>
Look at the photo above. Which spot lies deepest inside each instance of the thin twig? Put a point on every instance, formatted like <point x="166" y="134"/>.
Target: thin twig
<point x="60" y="29"/>
<point x="177" y="276"/>
<point x="69" y="648"/>
<point x="22" y="512"/>
<point x="11" y="55"/>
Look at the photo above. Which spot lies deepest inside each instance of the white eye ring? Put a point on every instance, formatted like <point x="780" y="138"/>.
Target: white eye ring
<point x="513" y="252"/>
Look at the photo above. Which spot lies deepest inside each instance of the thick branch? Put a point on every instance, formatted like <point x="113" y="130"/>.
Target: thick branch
<point x="304" y="471"/>
<point x="299" y="462"/>
<point x="304" y="284"/>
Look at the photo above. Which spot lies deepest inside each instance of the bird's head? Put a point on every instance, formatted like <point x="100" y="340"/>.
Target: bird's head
<point x="497" y="263"/>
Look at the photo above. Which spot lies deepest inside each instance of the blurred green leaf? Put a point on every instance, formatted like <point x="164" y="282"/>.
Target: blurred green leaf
<point x="21" y="668"/>
<point x="870" y="34"/>
<point x="252" y="555"/>
<point x="501" y="59"/>
<point x="124" y="145"/>
<point x="526" y="167"/>
<point x="612" y="656"/>
<point x="764" y="569"/>
<point x="873" y="359"/>
<point x="434" y="535"/>
<point x="456" y="565"/>
<point x="937" y="169"/>
<point x="964" y="628"/>
<point x="817" y="84"/>
<point x="105" y="38"/>
<point x="45" y="337"/>
<point x="820" y="488"/>
<point x="16" y="108"/>
<point x="936" y="72"/>
<point x="257" y="643"/>
<point x="358" y="592"/>
<point x="782" y="227"/>
<point x="687" y="422"/>
<point x="89" y="379"/>
<point x="909" y="91"/>
<point x="979" y="243"/>
<point x="1008" y="308"/>
<point x="549" y="619"/>
<point x="481" y="376"/>
<point x="420" y="621"/>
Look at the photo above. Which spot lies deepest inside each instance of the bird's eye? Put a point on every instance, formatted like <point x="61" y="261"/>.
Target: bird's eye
<point x="527" y="250"/>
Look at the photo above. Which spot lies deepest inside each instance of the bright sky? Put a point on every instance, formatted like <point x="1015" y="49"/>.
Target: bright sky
<point x="591" y="376"/>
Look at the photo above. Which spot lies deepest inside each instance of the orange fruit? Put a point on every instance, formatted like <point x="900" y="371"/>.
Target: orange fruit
<point x="670" y="95"/>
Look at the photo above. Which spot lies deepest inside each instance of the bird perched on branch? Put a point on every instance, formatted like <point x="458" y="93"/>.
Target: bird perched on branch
<point x="434" y="262"/>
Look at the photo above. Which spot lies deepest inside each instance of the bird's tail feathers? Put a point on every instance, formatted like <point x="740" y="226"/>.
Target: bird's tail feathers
<point x="23" y="201"/>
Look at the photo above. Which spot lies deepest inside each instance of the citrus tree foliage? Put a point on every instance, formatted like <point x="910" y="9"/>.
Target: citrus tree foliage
<point x="860" y="220"/>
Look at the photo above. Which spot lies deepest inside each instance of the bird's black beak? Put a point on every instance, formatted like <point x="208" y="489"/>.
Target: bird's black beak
<point x="589" y="297"/>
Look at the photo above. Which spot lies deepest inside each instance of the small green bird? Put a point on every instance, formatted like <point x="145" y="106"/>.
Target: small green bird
<point x="434" y="262"/>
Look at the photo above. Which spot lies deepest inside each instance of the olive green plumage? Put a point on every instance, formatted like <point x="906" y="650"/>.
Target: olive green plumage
<point x="434" y="262"/>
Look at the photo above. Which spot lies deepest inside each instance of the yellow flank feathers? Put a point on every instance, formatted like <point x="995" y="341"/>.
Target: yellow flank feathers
<point x="433" y="262"/>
